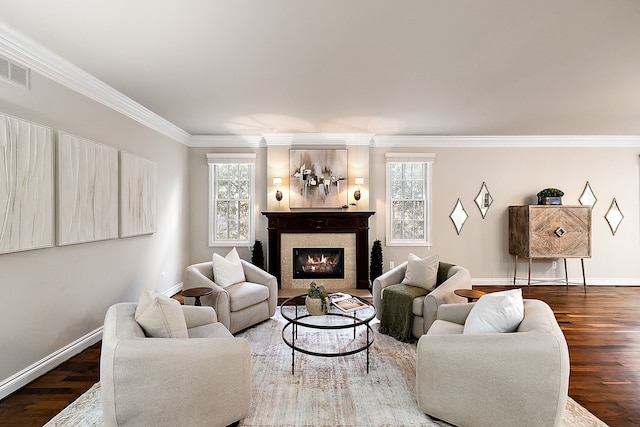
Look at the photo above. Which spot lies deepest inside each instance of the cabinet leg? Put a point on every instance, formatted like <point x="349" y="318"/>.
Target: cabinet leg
<point x="584" y="279"/>
<point x="529" y="276"/>
<point x="515" y="270"/>
<point x="566" y="275"/>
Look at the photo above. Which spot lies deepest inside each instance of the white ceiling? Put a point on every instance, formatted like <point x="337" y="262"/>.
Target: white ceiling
<point x="423" y="67"/>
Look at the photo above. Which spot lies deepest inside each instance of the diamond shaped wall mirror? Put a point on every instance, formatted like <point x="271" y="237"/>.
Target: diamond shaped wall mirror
<point x="614" y="216"/>
<point x="588" y="198"/>
<point x="484" y="200"/>
<point x="458" y="216"/>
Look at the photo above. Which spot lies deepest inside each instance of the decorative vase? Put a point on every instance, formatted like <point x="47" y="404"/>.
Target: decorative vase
<point x="550" y="200"/>
<point x="315" y="306"/>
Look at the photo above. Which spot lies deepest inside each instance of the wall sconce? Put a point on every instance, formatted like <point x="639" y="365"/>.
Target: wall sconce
<point x="356" y="194"/>
<point x="277" y="182"/>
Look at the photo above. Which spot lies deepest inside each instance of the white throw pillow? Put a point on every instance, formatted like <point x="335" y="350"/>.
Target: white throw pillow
<point x="160" y="316"/>
<point x="228" y="270"/>
<point x="496" y="312"/>
<point x="422" y="272"/>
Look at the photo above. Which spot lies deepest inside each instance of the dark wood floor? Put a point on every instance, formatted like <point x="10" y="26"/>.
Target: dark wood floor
<point x="602" y="328"/>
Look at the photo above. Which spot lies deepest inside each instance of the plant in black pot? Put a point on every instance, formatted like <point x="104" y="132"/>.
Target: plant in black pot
<point x="550" y="196"/>
<point x="257" y="255"/>
<point x="375" y="267"/>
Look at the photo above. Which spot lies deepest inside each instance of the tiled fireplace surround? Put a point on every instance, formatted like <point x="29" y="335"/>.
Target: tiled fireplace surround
<point x="348" y="230"/>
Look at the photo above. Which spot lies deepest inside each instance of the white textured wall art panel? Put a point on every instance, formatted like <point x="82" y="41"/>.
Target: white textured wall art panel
<point x="26" y="185"/>
<point x="137" y="195"/>
<point x="87" y="191"/>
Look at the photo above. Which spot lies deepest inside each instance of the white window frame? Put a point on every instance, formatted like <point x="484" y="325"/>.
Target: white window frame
<point x="216" y="159"/>
<point x="427" y="159"/>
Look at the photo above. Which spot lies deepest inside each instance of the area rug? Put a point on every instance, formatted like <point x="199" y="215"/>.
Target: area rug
<point x="334" y="391"/>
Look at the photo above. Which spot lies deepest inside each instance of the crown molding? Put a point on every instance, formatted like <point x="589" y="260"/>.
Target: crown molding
<point x="26" y="51"/>
<point x="221" y="141"/>
<point x="314" y="139"/>
<point x="541" y="141"/>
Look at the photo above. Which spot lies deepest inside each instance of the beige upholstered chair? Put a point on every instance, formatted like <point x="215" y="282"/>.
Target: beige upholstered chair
<point x="201" y="380"/>
<point x="240" y="305"/>
<point x="425" y="308"/>
<point x="517" y="378"/>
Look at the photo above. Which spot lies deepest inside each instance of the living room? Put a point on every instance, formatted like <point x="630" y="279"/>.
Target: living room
<point x="55" y="298"/>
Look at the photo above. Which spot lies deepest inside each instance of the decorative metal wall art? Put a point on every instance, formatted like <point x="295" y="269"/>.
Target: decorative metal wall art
<point x="458" y="216"/>
<point x="588" y="198"/>
<point x="484" y="200"/>
<point x="614" y="216"/>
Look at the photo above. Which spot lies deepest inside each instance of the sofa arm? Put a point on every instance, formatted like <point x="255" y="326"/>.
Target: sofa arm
<point x="459" y="278"/>
<point x="391" y="277"/>
<point x="489" y="373"/>
<point x="150" y="373"/>
<point x="257" y="275"/>
<point x="198" y="316"/>
<point x="196" y="275"/>
<point x="456" y="313"/>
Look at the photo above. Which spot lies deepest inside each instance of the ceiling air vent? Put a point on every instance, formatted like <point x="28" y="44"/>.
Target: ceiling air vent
<point x="14" y="73"/>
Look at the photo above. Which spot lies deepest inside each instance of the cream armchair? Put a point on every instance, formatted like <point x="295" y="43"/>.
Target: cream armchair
<point x="201" y="380"/>
<point x="500" y="379"/>
<point x="240" y="305"/>
<point x="425" y="308"/>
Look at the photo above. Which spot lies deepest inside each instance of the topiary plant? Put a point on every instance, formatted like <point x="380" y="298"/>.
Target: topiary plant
<point x="375" y="267"/>
<point x="550" y="192"/>
<point x="257" y="255"/>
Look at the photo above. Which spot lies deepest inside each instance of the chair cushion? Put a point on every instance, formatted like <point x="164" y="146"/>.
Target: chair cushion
<point x="160" y="316"/>
<point x="246" y="294"/>
<point x="496" y="312"/>
<point x="421" y="272"/>
<point x="228" y="270"/>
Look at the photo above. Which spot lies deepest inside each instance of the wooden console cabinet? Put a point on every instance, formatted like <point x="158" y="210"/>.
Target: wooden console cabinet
<point x="550" y="231"/>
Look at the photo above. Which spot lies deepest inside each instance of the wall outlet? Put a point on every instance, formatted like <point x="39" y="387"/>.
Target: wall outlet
<point x="163" y="276"/>
<point x="392" y="264"/>
<point x="554" y="264"/>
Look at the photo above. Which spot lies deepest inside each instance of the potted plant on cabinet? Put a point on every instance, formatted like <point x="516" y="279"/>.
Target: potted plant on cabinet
<point x="550" y="196"/>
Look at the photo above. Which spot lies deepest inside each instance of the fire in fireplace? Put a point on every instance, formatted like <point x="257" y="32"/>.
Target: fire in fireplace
<point x="318" y="263"/>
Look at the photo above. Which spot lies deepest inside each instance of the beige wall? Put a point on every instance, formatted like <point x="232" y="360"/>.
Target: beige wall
<point x="55" y="296"/>
<point x="513" y="176"/>
<point x="199" y="202"/>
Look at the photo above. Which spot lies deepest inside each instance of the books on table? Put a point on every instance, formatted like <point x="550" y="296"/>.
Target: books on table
<point x="346" y="303"/>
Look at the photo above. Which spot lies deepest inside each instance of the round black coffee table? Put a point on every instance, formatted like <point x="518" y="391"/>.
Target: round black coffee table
<point x="297" y="316"/>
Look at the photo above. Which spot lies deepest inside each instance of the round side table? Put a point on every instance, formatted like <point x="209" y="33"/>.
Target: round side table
<point x="469" y="294"/>
<point x="197" y="293"/>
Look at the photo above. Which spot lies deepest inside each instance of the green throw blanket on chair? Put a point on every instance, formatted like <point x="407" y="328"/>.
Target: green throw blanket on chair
<point x="397" y="310"/>
<point x="397" y="306"/>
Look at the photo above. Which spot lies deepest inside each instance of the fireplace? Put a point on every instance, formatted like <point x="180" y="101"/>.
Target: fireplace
<point x="353" y="225"/>
<point x="318" y="263"/>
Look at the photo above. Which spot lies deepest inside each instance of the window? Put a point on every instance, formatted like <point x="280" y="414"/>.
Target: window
<point x="409" y="199"/>
<point x="231" y="199"/>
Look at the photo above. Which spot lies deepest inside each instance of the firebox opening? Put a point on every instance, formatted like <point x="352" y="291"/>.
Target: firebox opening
<point x="318" y="263"/>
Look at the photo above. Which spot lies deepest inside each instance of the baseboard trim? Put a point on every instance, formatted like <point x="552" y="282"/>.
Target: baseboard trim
<point x="558" y="281"/>
<point x="48" y="363"/>
<point x="173" y="290"/>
